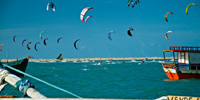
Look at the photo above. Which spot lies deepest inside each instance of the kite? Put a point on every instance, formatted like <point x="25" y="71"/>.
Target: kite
<point x="23" y="42"/>
<point x="133" y="3"/>
<point x="41" y="34"/>
<point x="45" y="41"/>
<point x="59" y="39"/>
<point x="109" y="35"/>
<point x="0" y="47"/>
<point x="166" y="36"/>
<point x="129" y="31"/>
<point x="14" y="38"/>
<point x="166" y="15"/>
<point x="75" y="43"/>
<point x="129" y="2"/>
<point x="28" y="46"/>
<point x="59" y="57"/>
<point x="189" y="7"/>
<point x="35" y="45"/>
<point x="83" y="12"/>
<point x="87" y="18"/>
<point x="52" y="6"/>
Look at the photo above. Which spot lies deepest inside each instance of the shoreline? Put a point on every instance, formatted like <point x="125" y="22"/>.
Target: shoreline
<point x="90" y="59"/>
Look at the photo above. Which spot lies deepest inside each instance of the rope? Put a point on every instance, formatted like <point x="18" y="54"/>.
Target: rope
<point x="58" y="88"/>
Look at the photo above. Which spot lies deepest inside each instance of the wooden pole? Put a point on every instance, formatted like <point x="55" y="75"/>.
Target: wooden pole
<point x="31" y="92"/>
<point x="7" y="56"/>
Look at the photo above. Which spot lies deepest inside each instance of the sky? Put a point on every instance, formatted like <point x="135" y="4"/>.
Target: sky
<point x="28" y="18"/>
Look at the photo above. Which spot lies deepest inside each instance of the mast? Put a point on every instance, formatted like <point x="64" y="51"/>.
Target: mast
<point x="7" y="56"/>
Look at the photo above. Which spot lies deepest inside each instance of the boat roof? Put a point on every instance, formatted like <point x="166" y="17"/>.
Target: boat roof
<point x="182" y="49"/>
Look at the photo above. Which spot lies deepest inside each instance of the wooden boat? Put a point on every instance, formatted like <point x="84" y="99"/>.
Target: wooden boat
<point x="18" y="64"/>
<point x="186" y="63"/>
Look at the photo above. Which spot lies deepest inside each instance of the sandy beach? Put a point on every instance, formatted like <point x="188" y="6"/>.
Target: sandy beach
<point x="89" y="59"/>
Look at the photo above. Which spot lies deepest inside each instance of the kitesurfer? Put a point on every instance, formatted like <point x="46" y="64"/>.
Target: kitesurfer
<point x="124" y="61"/>
<point x="100" y="61"/>
<point x="142" y="62"/>
<point x="110" y="61"/>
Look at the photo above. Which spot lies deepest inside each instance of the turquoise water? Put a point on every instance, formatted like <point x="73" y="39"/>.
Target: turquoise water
<point x="117" y="80"/>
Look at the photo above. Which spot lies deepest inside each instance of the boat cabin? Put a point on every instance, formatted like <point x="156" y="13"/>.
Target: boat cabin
<point x="184" y="58"/>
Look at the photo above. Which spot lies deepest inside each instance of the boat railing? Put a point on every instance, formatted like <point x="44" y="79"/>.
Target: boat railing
<point x="184" y="48"/>
<point x="169" y="65"/>
<point x="181" y="67"/>
<point x="189" y="67"/>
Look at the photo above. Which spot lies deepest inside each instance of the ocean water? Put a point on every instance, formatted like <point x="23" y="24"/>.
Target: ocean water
<point x="115" y="80"/>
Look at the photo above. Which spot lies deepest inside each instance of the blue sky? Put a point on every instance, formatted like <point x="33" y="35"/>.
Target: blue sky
<point x="27" y="18"/>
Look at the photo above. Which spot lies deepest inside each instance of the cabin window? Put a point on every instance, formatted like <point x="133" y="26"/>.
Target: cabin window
<point x="169" y="57"/>
<point x="194" y="58"/>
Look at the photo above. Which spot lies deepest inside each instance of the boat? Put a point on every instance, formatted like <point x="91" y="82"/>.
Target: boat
<point x="20" y="64"/>
<point x="60" y="57"/>
<point x="185" y="65"/>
